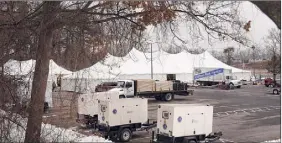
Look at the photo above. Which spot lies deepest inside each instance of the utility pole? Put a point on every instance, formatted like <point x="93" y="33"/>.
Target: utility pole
<point x="152" y="61"/>
<point x="253" y="47"/>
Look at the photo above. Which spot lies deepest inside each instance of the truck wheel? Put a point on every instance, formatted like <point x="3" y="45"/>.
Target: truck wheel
<point x="231" y="86"/>
<point x="168" y="97"/>
<point x="125" y="135"/>
<point x="275" y="91"/>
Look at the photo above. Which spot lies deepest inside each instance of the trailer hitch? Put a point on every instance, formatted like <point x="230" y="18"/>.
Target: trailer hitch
<point x="213" y="137"/>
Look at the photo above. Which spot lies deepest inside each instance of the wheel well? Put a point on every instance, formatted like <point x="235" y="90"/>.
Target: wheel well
<point x="121" y="96"/>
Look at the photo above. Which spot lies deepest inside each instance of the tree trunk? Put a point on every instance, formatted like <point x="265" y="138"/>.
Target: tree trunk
<point x="41" y="74"/>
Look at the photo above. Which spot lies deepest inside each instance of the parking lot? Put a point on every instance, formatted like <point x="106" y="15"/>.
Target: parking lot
<point x="248" y="114"/>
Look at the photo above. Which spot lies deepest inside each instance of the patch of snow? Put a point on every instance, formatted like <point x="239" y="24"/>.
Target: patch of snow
<point x="49" y="116"/>
<point x="93" y="139"/>
<point x="49" y="133"/>
<point x="273" y="141"/>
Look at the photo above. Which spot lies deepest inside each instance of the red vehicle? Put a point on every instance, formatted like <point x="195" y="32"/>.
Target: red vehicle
<point x="271" y="83"/>
<point x="268" y="81"/>
<point x="105" y="86"/>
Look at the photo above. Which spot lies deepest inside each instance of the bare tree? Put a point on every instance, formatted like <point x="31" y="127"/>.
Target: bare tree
<point x="245" y="55"/>
<point x="229" y="54"/>
<point x="273" y="45"/>
<point x="79" y="34"/>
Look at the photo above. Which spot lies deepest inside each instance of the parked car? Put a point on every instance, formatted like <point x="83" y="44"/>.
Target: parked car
<point x="276" y="91"/>
<point x="105" y="86"/>
<point x="267" y="82"/>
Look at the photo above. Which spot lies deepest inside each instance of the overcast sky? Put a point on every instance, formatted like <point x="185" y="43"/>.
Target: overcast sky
<point x="260" y="25"/>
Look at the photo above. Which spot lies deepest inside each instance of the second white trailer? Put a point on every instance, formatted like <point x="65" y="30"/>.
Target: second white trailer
<point x="117" y="119"/>
<point x="87" y="110"/>
<point x="189" y="123"/>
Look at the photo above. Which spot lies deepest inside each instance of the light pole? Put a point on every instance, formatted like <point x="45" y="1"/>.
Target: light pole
<point x="253" y="47"/>
<point x="152" y="61"/>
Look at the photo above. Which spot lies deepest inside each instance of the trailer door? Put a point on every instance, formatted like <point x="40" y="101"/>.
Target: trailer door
<point x="195" y="124"/>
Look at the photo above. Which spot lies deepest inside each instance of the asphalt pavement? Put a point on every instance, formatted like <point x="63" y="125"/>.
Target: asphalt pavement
<point x="248" y="114"/>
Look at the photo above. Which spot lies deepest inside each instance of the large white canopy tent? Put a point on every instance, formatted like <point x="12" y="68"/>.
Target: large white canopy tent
<point x="137" y="65"/>
<point x="26" y="70"/>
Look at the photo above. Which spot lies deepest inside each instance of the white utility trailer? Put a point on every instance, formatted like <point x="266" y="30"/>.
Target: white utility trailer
<point x="87" y="110"/>
<point x="117" y="119"/>
<point x="185" y="123"/>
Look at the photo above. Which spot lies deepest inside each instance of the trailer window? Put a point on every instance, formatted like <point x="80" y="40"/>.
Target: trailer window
<point x="165" y="115"/>
<point x="171" y="77"/>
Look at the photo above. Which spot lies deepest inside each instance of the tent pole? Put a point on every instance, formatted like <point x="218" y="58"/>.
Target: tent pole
<point x="151" y="61"/>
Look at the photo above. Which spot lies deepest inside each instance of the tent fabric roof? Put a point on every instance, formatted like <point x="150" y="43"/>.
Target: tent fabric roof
<point x="137" y="62"/>
<point x="14" y="67"/>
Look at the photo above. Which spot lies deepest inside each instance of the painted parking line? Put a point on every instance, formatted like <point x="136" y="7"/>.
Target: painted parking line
<point x="249" y="110"/>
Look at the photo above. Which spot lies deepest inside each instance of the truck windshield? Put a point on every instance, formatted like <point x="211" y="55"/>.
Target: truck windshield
<point x="233" y="77"/>
<point x="120" y="83"/>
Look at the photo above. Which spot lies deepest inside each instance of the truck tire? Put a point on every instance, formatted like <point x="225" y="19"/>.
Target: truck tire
<point x="231" y="86"/>
<point x="275" y="91"/>
<point x="168" y="97"/>
<point x="125" y="135"/>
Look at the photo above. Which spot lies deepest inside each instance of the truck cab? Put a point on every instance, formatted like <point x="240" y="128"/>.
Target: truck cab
<point x="125" y="88"/>
<point x="233" y="81"/>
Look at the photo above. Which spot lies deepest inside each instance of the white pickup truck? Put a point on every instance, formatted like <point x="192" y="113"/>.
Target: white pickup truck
<point x="160" y="90"/>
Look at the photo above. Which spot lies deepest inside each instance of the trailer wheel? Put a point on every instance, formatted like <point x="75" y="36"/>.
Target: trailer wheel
<point x="168" y="97"/>
<point x="192" y="141"/>
<point x="125" y="135"/>
<point x="189" y="140"/>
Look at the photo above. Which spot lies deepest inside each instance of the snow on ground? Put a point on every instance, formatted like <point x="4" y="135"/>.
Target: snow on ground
<point x="273" y="141"/>
<point x="15" y="131"/>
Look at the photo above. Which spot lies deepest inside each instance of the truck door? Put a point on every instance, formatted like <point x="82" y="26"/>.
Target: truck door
<point x="129" y="89"/>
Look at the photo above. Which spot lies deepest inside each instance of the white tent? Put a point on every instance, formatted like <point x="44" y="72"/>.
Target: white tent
<point x="26" y="68"/>
<point x="14" y="67"/>
<point x="137" y="65"/>
<point x="87" y="79"/>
